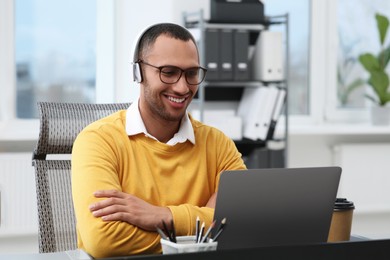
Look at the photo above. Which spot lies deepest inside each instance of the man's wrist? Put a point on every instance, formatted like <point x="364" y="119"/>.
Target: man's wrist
<point x="166" y="217"/>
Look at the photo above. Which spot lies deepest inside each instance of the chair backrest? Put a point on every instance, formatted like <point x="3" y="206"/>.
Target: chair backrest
<point x="60" y="124"/>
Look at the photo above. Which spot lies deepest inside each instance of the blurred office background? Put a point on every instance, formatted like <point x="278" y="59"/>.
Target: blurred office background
<point x="80" y="51"/>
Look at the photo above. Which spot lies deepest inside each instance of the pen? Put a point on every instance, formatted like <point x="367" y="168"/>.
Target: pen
<point x="200" y="233"/>
<point x="173" y="232"/>
<point x="166" y="230"/>
<point x="218" y="234"/>
<point x="197" y="228"/>
<point x="220" y="229"/>
<point x="163" y="236"/>
<point x="208" y="232"/>
<point x="223" y="222"/>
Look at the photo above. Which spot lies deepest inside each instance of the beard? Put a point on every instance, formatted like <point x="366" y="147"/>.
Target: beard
<point x="157" y="107"/>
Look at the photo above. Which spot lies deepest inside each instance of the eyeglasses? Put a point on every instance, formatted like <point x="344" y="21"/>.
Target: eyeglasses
<point x="172" y="74"/>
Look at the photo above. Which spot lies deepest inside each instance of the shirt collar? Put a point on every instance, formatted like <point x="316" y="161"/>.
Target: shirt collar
<point x="135" y="125"/>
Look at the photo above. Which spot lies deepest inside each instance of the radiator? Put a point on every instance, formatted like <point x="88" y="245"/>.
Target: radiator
<point x="365" y="177"/>
<point x="18" y="197"/>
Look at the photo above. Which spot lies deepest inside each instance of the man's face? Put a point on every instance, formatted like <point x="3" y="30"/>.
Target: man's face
<point x="163" y="101"/>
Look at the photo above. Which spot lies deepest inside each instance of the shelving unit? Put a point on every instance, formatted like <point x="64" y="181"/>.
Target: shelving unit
<point x="195" y="21"/>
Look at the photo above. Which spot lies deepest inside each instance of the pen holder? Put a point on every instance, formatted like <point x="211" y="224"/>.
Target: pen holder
<point x="187" y="244"/>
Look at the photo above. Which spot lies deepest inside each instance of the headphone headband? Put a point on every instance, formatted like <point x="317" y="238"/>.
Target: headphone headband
<point x="137" y="72"/>
<point x="136" y="68"/>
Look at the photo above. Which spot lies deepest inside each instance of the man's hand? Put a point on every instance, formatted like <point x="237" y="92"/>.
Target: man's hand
<point x="120" y="206"/>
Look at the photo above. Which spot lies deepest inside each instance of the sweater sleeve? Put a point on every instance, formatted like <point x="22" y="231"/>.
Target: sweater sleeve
<point x="184" y="217"/>
<point x="94" y="167"/>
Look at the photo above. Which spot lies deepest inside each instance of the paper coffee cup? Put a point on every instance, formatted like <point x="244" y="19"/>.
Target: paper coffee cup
<point x="340" y="227"/>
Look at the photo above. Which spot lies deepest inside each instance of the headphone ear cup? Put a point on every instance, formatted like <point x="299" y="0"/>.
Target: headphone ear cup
<point x="137" y="74"/>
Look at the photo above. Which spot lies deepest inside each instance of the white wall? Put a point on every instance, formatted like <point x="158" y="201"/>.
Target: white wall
<point x="315" y="146"/>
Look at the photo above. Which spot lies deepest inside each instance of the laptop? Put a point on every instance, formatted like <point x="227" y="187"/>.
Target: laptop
<point x="276" y="206"/>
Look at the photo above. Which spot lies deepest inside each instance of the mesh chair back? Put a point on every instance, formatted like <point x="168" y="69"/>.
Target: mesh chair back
<point x="60" y="124"/>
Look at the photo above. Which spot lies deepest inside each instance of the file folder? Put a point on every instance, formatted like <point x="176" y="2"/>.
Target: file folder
<point x="268" y="57"/>
<point x="266" y="157"/>
<point x="247" y="107"/>
<point x="264" y="114"/>
<point x="280" y="100"/>
<point x="256" y="108"/>
<point x="211" y="54"/>
<point x="250" y="103"/>
<point x="226" y="54"/>
<point x="276" y="158"/>
<point x="276" y="153"/>
<point x="241" y="55"/>
<point x="259" y="158"/>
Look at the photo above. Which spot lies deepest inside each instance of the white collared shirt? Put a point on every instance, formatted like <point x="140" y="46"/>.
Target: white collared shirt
<point x="135" y="125"/>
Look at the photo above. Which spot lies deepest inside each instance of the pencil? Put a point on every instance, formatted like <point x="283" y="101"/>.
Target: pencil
<point x="162" y="235"/>
<point x="200" y="233"/>
<point x="197" y="228"/>
<point x="167" y="230"/>
<point x="223" y="222"/>
<point x="173" y="231"/>
<point x="218" y="234"/>
<point x="208" y="232"/>
<point x="220" y="228"/>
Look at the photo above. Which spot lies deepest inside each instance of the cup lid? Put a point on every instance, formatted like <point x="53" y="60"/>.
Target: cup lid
<point x="343" y="203"/>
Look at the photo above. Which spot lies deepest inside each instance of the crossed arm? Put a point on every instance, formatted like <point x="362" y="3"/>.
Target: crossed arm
<point x="120" y="206"/>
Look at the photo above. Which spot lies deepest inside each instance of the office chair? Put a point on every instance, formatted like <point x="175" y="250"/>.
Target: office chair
<point x="60" y="124"/>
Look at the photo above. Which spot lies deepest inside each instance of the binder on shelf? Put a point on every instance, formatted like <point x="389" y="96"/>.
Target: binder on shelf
<point x="265" y="115"/>
<point x="258" y="158"/>
<point x="211" y="54"/>
<point x="248" y="107"/>
<point x="276" y="112"/>
<point x="268" y="57"/>
<point x="276" y="153"/>
<point x="256" y="108"/>
<point x="270" y="156"/>
<point x="241" y="55"/>
<point x="226" y="54"/>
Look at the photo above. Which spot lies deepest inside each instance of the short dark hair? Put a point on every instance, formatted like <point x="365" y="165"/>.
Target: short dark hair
<point x="150" y="35"/>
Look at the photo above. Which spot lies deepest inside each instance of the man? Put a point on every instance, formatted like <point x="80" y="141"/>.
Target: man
<point x="152" y="162"/>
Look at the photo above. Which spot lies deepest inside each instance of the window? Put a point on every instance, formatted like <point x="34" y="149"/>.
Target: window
<point x="55" y="44"/>
<point x="355" y="32"/>
<point x="299" y="25"/>
<point x="355" y="40"/>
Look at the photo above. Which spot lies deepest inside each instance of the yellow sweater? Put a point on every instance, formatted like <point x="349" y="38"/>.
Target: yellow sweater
<point x="181" y="177"/>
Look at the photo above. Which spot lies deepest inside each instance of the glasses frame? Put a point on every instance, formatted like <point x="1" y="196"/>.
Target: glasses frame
<point x="160" y="68"/>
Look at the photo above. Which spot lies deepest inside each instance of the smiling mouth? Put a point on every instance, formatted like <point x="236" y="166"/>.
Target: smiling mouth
<point x="176" y="100"/>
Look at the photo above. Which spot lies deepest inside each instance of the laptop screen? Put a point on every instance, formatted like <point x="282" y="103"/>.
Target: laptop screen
<point x="277" y="206"/>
